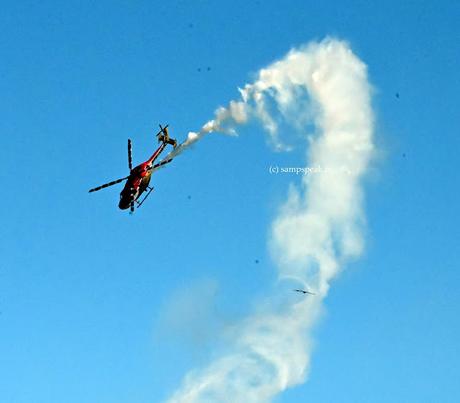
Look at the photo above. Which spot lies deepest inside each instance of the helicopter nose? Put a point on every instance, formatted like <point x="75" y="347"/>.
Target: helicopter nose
<point x="123" y="206"/>
<point x="124" y="203"/>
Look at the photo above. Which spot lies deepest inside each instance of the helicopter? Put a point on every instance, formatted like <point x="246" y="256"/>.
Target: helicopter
<point x="138" y="180"/>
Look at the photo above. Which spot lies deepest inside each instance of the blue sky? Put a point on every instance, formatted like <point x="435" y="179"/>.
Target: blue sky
<point x="86" y="290"/>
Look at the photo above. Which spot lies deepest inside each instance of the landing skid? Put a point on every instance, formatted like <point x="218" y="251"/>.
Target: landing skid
<point x="145" y="197"/>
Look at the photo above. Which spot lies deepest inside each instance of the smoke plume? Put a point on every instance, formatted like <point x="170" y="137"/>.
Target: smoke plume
<point x="318" y="228"/>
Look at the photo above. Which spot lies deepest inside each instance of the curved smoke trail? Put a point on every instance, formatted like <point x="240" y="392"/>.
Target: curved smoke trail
<point x="318" y="227"/>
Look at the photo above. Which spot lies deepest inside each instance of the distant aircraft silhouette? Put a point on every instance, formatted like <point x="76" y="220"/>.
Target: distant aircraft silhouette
<point x="304" y="292"/>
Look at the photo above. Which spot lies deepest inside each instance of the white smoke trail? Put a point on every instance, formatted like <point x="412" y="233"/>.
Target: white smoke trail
<point x="317" y="229"/>
<point x="235" y="114"/>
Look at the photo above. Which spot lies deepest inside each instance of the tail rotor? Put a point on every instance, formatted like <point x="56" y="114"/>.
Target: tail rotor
<point x="163" y="136"/>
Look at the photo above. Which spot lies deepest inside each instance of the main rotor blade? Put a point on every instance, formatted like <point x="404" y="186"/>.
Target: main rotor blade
<point x="131" y="206"/>
<point x="105" y="185"/>
<point x="160" y="164"/>
<point x="130" y="159"/>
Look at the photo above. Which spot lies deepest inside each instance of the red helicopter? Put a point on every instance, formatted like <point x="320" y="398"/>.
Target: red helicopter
<point x="139" y="177"/>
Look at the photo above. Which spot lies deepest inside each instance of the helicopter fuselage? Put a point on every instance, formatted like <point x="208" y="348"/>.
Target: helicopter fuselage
<point x="135" y="185"/>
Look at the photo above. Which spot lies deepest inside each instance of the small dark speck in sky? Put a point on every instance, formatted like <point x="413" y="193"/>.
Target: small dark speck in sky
<point x="397" y="95"/>
<point x="256" y="261"/>
<point x="189" y="197"/>
<point x="404" y="155"/>
<point x="190" y="25"/>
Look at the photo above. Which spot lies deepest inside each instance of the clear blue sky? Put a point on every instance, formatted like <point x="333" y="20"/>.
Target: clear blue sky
<point x="85" y="288"/>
